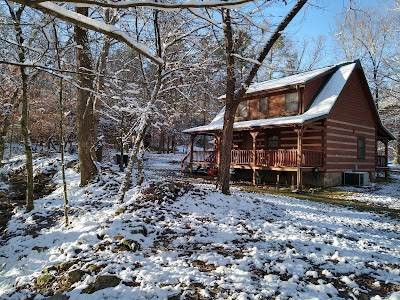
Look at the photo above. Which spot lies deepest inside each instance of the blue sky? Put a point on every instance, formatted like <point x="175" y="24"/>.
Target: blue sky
<point x="319" y="18"/>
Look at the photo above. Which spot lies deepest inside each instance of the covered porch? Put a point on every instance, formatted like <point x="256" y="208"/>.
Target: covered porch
<point x="382" y="155"/>
<point x="268" y="159"/>
<point x="274" y="148"/>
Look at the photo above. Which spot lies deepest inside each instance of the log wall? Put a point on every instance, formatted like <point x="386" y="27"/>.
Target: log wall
<point x="312" y="138"/>
<point x="351" y="117"/>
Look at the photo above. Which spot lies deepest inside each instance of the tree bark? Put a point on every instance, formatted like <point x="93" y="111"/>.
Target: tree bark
<point x="230" y="107"/>
<point x="121" y="144"/>
<point x="173" y="143"/>
<point x="3" y="137"/>
<point x="6" y="124"/>
<point x="85" y="117"/>
<point x="234" y="98"/>
<point x="225" y="150"/>
<point x="140" y="172"/>
<point x="10" y="142"/>
<point x="27" y="142"/>
<point x="145" y="119"/>
<point x="396" y="158"/>
<point x="61" y="131"/>
<point x="101" y="70"/>
<point x="133" y="157"/>
<point x="161" y="144"/>
<point x="16" y="16"/>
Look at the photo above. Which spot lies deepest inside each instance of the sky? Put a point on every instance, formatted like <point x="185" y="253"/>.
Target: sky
<point x="319" y="18"/>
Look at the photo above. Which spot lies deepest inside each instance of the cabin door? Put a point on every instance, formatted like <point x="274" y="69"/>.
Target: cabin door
<point x="247" y="141"/>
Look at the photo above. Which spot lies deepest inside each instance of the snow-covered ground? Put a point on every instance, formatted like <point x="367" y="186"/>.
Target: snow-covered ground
<point x="196" y="243"/>
<point x="385" y="193"/>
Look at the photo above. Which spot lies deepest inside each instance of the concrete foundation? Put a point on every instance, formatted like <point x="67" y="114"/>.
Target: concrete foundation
<point x="288" y="178"/>
<point x="331" y="179"/>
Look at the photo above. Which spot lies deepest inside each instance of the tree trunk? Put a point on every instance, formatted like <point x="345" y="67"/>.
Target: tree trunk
<point x="234" y="98"/>
<point x="101" y="70"/>
<point x="140" y="173"/>
<point x="173" y="143"/>
<point x="3" y="137"/>
<point x="85" y="118"/>
<point x="27" y="142"/>
<point x="10" y="142"/>
<point x="16" y="16"/>
<point x="225" y="150"/>
<point x="161" y="144"/>
<point x="145" y="119"/>
<point x="168" y="144"/>
<point x="396" y="156"/>
<point x="61" y="131"/>
<point x="133" y="157"/>
<point x="121" y="145"/>
<point x="7" y="114"/>
<point x="230" y="107"/>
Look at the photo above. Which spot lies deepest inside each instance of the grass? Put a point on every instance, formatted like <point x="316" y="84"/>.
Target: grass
<point x="328" y="195"/>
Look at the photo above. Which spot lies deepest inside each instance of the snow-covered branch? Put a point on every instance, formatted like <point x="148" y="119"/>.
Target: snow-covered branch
<point x="151" y="4"/>
<point x="88" y="23"/>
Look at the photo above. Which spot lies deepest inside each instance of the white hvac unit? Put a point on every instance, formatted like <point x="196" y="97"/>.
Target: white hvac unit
<point x="356" y="178"/>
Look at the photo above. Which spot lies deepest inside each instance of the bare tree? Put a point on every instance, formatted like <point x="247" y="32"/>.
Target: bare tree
<point x="85" y="100"/>
<point x="367" y="35"/>
<point x="234" y="96"/>
<point x="9" y="102"/>
<point x="16" y="15"/>
<point x="61" y="126"/>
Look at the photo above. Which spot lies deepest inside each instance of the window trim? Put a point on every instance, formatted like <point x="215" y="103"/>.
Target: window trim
<point x="297" y="101"/>
<point x="266" y="102"/>
<point x="273" y="140"/>
<point x="245" y="105"/>
<point x="361" y="148"/>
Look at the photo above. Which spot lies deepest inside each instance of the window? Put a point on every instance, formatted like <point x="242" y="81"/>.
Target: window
<point x="291" y="102"/>
<point x="361" y="147"/>
<point x="263" y="104"/>
<point x="242" y="110"/>
<point x="273" y="141"/>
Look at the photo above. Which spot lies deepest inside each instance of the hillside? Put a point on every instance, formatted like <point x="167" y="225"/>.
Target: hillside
<point x="179" y="238"/>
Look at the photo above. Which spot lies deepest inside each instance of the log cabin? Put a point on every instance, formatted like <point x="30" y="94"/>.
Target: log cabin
<point x="305" y="129"/>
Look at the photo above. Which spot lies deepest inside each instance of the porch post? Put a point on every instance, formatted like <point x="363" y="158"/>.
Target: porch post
<point x="192" y="136"/>
<point x="300" y="132"/>
<point x="254" y="162"/>
<point x="217" y="143"/>
<point x="386" y="157"/>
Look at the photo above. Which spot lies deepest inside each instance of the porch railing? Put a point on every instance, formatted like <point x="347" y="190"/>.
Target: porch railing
<point x="381" y="161"/>
<point x="268" y="158"/>
<point x="276" y="158"/>
<point x="203" y="157"/>
<point x="312" y="158"/>
<point x="208" y="156"/>
<point x="242" y="157"/>
<point x="282" y="158"/>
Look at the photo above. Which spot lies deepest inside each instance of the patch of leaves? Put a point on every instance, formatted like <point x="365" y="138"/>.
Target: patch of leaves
<point x="161" y="192"/>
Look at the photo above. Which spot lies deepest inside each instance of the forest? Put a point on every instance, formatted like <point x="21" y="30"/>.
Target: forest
<point x="116" y="76"/>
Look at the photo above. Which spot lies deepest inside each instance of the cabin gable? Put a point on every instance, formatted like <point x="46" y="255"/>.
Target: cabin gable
<point x="351" y="129"/>
<point x="311" y="90"/>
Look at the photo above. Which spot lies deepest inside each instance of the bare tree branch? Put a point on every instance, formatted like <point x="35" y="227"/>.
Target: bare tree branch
<point x="151" y="4"/>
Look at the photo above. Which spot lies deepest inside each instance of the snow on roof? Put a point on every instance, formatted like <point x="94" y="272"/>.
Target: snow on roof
<point x="321" y="106"/>
<point x="285" y="81"/>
